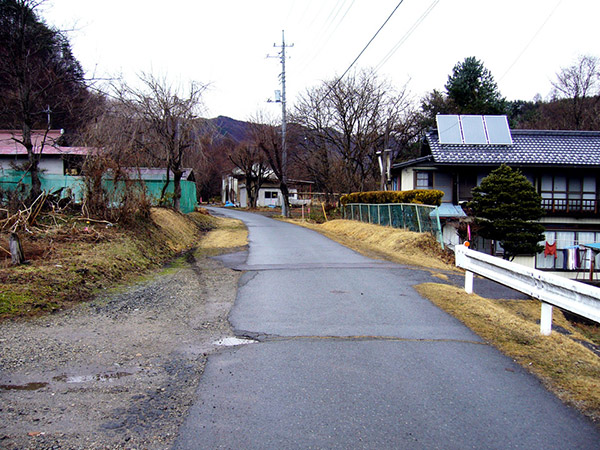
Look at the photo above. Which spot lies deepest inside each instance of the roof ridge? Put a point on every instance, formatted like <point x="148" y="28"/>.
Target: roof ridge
<point x="555" y="132"/>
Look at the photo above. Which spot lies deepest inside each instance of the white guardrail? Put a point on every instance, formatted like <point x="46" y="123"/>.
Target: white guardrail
<point x="551" y="290"/>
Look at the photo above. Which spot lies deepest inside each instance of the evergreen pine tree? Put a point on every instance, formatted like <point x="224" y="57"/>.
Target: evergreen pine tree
<point x="507" y="207"/>
<point x="472" y="89"/>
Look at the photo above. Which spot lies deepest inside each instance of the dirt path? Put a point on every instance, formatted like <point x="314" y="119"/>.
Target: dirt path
<point x="119" y="372"/>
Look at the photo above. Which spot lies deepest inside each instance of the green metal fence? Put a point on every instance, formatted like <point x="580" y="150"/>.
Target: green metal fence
<point x="410" y="216"/>
<point x="188" y="200"/>
<point x="73" y="187"/>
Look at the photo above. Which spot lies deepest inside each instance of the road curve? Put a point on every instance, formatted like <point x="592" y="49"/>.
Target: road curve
<point x="350" y="356"/>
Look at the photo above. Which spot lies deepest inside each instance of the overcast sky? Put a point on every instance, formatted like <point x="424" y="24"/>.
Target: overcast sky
<point x="225" y="42"/>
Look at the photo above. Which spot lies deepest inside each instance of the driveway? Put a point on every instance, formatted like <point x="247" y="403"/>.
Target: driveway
<point x="346" y="354"/>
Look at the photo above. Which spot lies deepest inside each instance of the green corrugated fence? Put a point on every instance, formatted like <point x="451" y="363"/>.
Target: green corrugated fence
<point x="410" y="216"/>
<point x="73" y="187"/>
<point x="188" y="200"/>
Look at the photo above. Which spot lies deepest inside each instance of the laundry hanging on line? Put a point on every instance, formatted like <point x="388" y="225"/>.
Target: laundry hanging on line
<point x="550" y="249"/>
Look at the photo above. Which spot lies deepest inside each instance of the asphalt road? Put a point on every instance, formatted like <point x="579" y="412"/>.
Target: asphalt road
<point x="350" y="356"/>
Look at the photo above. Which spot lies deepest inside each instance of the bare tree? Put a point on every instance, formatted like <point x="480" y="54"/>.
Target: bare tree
<point x="251" y="162"/>
<point x="348" y="121"/>
<point x="578" y="83"/>
<point x="38" y="77"/>
<point x="267" y="137"/>
<point x="111" y="136"/>
<point x="164" y="123"/>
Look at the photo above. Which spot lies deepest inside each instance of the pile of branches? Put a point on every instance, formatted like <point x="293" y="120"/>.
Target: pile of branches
<point x="27" y="219"/>
<point x="24" y="218"/>
<point x="47" y="204"/>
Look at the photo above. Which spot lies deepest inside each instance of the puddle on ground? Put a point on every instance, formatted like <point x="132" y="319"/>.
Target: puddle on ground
<point x="23" y="387"/>
<point x="107" y="376"/>
<point x="231" y="341"/>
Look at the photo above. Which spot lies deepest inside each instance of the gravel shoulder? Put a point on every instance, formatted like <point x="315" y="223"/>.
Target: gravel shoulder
<point x="118" y="372"/>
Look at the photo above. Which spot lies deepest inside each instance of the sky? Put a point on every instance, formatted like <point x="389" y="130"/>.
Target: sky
<point x="225" y="43"/>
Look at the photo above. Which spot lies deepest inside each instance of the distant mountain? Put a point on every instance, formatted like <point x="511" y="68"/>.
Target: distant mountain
<point x="230" y="128"/>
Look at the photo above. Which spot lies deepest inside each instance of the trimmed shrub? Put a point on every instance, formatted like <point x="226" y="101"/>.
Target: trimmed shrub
<point x="422" y="196"/>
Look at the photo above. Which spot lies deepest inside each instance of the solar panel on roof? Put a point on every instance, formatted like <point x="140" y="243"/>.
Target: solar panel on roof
<point x="449" y="129"/>
<point x="498" y="130"/>
<point x="473" y="130"/>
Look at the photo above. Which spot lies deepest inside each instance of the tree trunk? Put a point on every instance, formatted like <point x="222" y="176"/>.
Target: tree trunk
<point x="177" y="174"/>
<point x="163" y="193"/>
<point x="34" y="161"/>
<point x="16" y="250"/>
<point x="285" y="194"/>
<point x="36" y="183"/>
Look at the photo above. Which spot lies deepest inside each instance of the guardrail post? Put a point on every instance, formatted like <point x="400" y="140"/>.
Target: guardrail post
<point x="468" y="282"/>
<point x="546" y="319"/>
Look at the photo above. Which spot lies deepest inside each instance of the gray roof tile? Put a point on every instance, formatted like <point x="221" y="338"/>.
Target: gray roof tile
<point x="530" y="147"/>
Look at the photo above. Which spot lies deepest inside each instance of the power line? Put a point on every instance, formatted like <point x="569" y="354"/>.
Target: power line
<point x="531" y="40"/>
<point x="362" y="51"/>
<point x="406" y="35"/>
<point x="323" y="37"/>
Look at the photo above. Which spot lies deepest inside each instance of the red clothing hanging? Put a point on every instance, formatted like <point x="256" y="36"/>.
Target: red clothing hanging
<point x="550" y="249"/>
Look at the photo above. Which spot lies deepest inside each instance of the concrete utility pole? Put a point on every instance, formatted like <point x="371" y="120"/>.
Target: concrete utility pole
<point x="385" y="164"/>
<point x="283" y="46"/>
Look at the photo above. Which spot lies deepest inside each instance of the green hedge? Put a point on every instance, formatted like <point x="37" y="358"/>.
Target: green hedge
<point x="422" y="196"/>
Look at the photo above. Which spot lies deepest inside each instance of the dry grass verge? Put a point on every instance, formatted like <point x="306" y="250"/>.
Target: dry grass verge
<point x="566" y="367"/>
<point x="69" y="263"/>
<point x="392" y="244"/>
<point x="228" y="234"/>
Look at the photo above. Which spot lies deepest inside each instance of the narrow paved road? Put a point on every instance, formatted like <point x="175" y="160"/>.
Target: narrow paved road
<point x="350" y="356"/>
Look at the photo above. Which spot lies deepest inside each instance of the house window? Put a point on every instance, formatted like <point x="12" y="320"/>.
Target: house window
<point x="466" y="183"/>
<point x="568" y="194"/>
<point x="72" y="164"/>
<point x="271" y="194"/>
<point x="569" y="254"/>
<point x="423" y="179"/>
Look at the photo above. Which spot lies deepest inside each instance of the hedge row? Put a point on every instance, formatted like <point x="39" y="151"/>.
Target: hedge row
<point x="421" y="196"/>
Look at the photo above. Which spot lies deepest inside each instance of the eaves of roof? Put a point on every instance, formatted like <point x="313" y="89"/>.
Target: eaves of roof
<point x="412" y="162"/>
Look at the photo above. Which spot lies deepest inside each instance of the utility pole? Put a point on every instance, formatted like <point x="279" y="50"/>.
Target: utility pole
<point x="283" y="46"/>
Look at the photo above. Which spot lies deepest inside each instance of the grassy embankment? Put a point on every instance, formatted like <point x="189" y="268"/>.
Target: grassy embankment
<point x="72" y="261"/>
<point x="561" y="361"/>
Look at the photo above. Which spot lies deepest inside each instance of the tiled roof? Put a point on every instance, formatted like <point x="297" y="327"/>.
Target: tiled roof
<point x="530" y="147"/>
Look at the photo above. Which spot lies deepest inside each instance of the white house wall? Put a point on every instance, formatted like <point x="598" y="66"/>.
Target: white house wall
<point x="407" y="179"/>
<point x="52" y="165"/>
<point x="243" y="196"/>
<point x="262" y="200"/>
<point x="49" y="164"/>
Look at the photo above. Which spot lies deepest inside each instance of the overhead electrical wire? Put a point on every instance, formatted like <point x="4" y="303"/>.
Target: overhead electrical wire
<point x="404" y="38"/>
<point x="361" y="53"/>
<point x="535" y="35"/>
<point x="323" y="37"/>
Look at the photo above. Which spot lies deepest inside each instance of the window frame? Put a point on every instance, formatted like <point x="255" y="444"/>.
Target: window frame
<point x="430" y="180"/>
